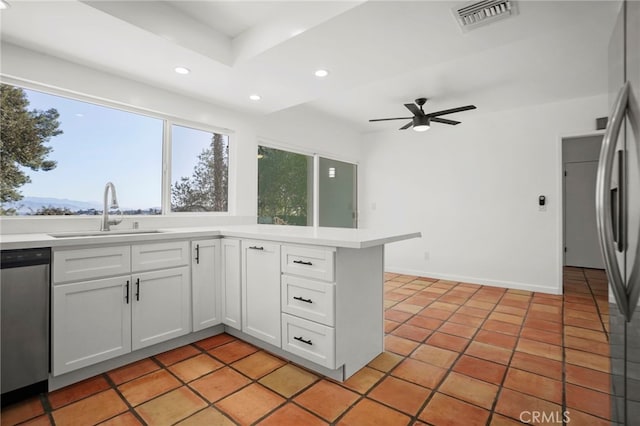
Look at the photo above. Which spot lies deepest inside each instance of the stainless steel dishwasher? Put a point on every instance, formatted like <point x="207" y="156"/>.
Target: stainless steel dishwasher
<point x="24" y="300"/>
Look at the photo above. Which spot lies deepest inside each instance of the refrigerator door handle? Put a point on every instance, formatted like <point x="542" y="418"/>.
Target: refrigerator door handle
<point x="603" y="202"/>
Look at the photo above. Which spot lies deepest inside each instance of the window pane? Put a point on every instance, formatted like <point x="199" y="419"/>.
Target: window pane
<point x="199" y="170"/>
<point x="285" y="187"/>
<point x="97" y="145"/>
<point x="338" y="196"/>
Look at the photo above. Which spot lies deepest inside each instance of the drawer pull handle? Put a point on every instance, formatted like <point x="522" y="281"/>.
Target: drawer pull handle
<point x="300" y="339"/>
<point x="300" y="262"/>
<point x="302" y="299"/>
<point x="256" y="248"/>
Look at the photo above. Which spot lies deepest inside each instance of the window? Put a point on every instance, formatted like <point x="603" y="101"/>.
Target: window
<point x="285" y="191"/>
<point x="337" y="194"/>
<point x="199" y="170"/>
<point x="65" y="151"/>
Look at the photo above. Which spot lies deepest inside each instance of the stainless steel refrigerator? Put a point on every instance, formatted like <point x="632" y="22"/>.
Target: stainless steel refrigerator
<point x="618" y="212"/>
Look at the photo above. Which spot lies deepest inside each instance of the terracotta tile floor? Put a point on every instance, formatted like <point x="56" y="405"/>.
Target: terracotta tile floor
<point x="456" y="354"/>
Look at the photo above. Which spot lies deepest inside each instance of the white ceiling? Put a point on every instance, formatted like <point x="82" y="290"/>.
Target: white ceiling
<point x="381" y="54"/>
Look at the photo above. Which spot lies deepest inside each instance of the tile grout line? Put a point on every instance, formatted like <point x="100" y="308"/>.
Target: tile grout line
<point x="365" y="394"/>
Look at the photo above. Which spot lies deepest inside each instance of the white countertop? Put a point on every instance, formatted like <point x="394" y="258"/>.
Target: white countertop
<point x="332" y="237"/>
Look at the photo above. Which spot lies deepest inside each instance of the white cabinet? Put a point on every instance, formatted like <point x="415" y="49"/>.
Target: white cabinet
<point x="312" y="262"/>
<point x="147" y="257"/>
<point x="205" y="284"/>
<point x="91" y="322"/>
<point x="309" y="299"/>
<point x="310" y="340"/>
<point x="102" y="307"/>
<point x="160" y="306"/>
<point x="230" y="283"/>
<point x="76" y="265"/>
<point x="261" y="290"/>
<point x="308" y="303"/>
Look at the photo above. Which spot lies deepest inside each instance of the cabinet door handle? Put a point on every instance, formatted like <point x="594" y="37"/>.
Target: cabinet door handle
<point x="302" y="299"/>
<point x="197" y="254"/>
<point x="126" y="294"/>
<point x="300" y="339"/>
<point x="256" y="248"/>
<point x="301" y="262"/>
<point x="138" y="289"/>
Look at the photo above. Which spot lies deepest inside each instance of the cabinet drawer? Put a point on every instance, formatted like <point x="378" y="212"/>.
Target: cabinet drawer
<point x="89" y="263"/>
<point x="312" y="300"/>
<point x="146" y="257"/>
<point x="311" y="262"/>
<point x="309" y="340"/>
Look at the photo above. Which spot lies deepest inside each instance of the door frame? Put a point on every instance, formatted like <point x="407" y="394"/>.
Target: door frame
<point x="560" y="189"/>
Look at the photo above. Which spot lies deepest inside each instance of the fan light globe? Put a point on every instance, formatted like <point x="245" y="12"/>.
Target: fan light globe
<point x="420" y="123"/>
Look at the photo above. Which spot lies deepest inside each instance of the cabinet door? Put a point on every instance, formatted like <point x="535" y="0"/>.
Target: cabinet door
<point x="161" y="302"/>
<point x="147" y="257"/>
<point x="230" y="283"/>
<point x="205" y="283"/>
<point x="90" y="263"/>
<point x="261" y="290"/>
<point x="91" y="322"/>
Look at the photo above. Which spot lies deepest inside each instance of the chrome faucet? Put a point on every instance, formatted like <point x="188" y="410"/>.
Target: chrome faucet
<point x="105" y="207"/>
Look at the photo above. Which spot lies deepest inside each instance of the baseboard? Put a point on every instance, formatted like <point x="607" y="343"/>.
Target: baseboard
<point x="475" y="280"/>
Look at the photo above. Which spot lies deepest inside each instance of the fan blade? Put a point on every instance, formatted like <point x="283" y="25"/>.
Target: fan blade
<point x="414" y="109"/>
<point x="443" y="121"/>
<point x="387" y="119"/>
<point x="406" y="126"/>
<point x="451" y="111"/>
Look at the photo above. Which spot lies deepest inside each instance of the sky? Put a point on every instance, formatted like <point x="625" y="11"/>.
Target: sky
<point x="102" y="144"/>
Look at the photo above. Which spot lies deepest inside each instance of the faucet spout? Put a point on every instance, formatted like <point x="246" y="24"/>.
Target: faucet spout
<point x="106" y="223"/>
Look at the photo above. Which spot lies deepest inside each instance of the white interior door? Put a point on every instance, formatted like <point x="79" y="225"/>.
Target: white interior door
<point x="581" y="238"/>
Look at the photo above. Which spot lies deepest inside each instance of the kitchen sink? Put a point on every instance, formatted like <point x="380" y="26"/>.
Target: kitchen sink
<point x="104" y="233"/>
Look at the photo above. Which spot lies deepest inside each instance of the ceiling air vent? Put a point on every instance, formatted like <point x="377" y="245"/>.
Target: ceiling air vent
<point x="476" y="14"/>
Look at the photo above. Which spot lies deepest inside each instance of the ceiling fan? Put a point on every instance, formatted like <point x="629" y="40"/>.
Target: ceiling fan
<point x="421" y="121"/>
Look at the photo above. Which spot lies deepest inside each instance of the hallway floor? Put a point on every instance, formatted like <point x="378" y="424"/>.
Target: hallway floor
<point x="456" y="354"/>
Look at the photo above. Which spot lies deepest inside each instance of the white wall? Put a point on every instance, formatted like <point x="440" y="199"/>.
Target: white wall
<point x="472" y="190"/>
<point x="291" y="127"/>
<point x="311" y="130"/>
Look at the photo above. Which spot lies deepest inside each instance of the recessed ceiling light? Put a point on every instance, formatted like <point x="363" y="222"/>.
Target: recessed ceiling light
<point x="255" y="97"/>
<point x="321" y="73"/>
<point x="182" y="70"/>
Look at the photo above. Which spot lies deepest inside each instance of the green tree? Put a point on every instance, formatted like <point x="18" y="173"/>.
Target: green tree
<point x="23" y="135"/>
<point x="283" y="187"/>
<point x="207" y="188"/>
<point x="53" y="211"/>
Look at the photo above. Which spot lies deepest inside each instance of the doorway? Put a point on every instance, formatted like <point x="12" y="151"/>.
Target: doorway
<point x="580" y="163"/>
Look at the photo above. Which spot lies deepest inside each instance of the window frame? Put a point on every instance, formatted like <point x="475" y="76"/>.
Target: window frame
<point x="315" y="154"/>
<point x="168" y="120"/>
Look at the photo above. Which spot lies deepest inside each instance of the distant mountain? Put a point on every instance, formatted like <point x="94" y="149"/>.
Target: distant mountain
<point x="29" y="205"/>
